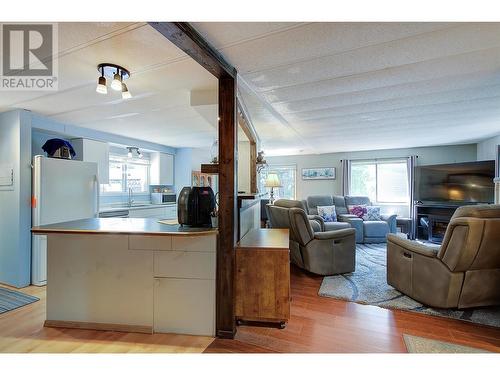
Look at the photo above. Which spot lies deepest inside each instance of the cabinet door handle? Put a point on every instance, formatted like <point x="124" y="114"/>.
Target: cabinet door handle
<point x="406" y="255"/>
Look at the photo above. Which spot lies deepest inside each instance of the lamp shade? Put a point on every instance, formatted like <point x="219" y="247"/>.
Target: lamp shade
<point x="272" y="180"/>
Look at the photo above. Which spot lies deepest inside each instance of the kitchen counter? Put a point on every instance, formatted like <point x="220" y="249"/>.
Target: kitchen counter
<point x="130" y="275"/>
<point x="145" y="206"/>
<point x="121" y="226"/>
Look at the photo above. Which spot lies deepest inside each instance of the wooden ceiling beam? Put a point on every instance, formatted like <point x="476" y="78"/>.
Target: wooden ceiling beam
<point x="184" y="36"/>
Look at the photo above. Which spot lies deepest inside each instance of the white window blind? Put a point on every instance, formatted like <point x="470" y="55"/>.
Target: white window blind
<point x="384" y="181"/>
<point x="125" y="173"/>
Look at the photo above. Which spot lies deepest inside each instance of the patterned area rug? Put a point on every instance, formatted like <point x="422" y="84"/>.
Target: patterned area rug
<point x="416" y="344"/>
<point x="11" y="299"/>
<point x="368" y="285"/>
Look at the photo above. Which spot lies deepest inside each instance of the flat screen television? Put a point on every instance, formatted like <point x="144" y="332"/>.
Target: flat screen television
<point x="458" y="183"/>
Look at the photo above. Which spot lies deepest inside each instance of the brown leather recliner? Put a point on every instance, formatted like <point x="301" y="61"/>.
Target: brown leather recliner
<point x="463" y="272"/>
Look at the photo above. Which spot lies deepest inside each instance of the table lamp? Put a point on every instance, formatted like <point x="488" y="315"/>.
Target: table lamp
<point x="272" y="181"/>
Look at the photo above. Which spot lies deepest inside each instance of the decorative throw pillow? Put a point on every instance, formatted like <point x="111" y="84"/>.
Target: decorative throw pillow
<point x="328" y="213"/>
<point x="372" y="214"/>
<point x="359" y="210"/>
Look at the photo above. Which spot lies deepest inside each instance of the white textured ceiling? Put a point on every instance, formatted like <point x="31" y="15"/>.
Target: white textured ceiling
<point x="327" y="87"/>
<point x="161" y="82"/>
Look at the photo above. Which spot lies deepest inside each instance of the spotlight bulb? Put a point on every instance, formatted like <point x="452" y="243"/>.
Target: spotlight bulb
<point x="117" y="82"/>
<point x="101" y="86"/>
<point x="125" y="93"/>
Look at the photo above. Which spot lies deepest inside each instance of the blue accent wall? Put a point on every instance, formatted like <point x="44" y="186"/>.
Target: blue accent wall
<point x="183" y="168"/>
<point x="15" y="201"/>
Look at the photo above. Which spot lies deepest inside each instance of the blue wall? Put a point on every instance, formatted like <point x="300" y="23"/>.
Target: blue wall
<point x="183" y="168"/>
<point x="15" y="209"/>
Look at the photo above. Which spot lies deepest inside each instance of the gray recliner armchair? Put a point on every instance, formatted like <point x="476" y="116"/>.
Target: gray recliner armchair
<point x="366" y="231"/>
<point x="463" y="272"/>
<point x="323" y="253"/>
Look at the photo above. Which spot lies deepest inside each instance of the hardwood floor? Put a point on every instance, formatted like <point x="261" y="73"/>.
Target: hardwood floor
<point x="317" y="324"/>
<point x="22" y="331"/>
<point x="321" y="324"/>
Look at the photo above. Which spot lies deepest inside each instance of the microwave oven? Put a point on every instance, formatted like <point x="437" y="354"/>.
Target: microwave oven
<point x="161" y="198"/>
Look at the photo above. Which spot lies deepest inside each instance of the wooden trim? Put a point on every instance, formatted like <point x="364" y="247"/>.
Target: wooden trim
<point x="228" y="223"/>
<point x="184" y="36"/>
<point x="253" y="167"/>
<point x="246" y="117"/>
<point x="210" y="168"/>
<point x="250" y="133"/>
<point x="244" y="125"/>
<point x="99" y="326"/>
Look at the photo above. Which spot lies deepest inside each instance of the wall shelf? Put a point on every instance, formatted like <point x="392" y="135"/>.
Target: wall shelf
<point x="210" y="168"/>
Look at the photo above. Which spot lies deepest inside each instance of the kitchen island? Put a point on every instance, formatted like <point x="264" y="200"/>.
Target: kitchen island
<point x="133" y="275"/>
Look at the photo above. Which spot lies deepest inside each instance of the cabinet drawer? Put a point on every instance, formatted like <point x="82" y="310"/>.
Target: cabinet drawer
<point x="140" y="242"/>
<point x="184" y="306"/>
<point x="184" y="264"/>
<point x="195" y="243"/>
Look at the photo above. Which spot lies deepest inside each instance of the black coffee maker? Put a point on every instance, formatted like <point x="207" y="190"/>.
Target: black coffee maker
<point x="195" y="206"/>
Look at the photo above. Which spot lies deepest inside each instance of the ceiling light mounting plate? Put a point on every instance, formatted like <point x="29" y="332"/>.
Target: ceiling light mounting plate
<point x="109" y="70"/>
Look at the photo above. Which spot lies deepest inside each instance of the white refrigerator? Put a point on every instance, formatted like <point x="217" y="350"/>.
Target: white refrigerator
<point x="63" y="190"/>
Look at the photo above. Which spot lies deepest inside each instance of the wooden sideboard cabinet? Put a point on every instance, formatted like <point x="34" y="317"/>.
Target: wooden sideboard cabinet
<point x="263" y="277"/>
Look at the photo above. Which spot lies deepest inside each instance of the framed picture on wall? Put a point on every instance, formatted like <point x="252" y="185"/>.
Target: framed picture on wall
<point x="322" y="173"/>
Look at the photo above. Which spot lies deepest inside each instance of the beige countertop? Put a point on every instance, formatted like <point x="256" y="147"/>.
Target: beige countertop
<point x="146" y="226"/>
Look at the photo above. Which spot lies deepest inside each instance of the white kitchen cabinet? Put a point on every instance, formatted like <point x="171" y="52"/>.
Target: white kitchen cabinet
<point x="184" y="306"/>
<point x="162" y="169"/>
<point x="162" y="212"/>
<point x="96" y="152"/>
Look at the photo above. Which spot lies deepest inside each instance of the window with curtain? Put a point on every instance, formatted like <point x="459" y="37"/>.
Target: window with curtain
<point x="125" y="173"/>
<point x="287" y="175"/>
<point x="384" y="181"/>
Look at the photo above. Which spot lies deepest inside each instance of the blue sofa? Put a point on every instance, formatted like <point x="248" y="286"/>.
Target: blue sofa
<point x="366" y="231"/>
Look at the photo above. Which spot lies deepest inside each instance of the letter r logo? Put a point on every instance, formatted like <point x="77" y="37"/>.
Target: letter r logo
<point x="27" y="50"/>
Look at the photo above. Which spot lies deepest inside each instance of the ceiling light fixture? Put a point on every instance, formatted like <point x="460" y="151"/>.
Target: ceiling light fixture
<point x="117" y="82"/>
<point x="118" y="75"/>
<point x="131" y="151"/>
<point x="101" y="84"/>
<point x="125" y="93"/>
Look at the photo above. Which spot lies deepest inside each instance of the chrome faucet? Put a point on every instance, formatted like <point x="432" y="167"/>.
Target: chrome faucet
<point x="130" y="196"/>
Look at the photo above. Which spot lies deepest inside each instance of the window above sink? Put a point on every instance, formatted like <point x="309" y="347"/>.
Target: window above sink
<point x="125" y="173"/>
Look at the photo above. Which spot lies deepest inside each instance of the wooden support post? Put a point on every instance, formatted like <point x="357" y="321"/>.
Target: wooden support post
<point x="184" y="36"/>
<point x="228" y="145"/>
